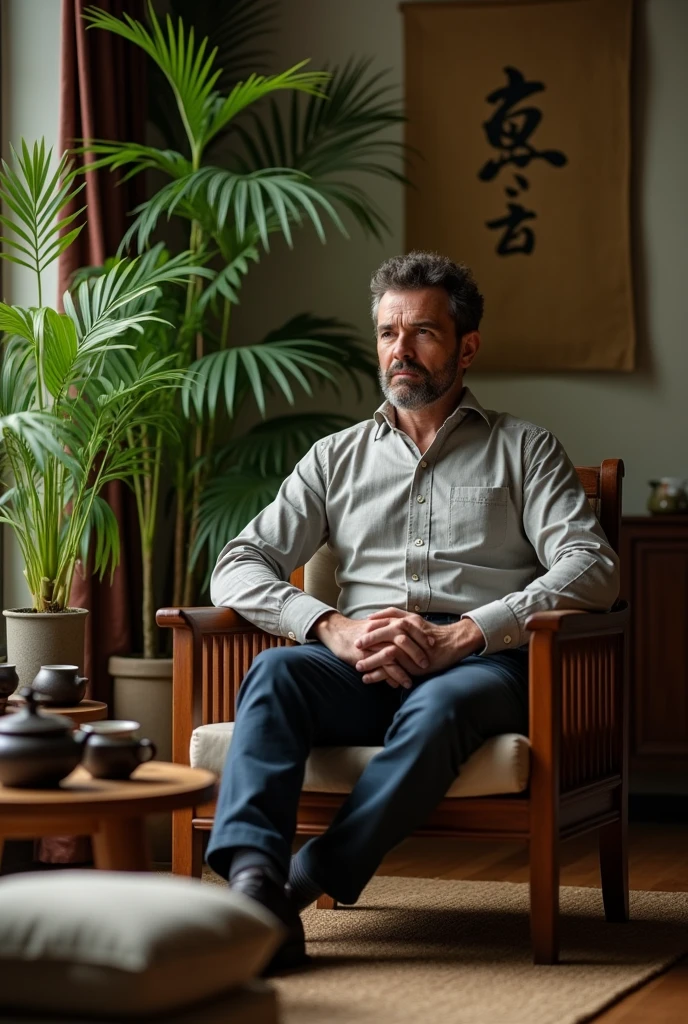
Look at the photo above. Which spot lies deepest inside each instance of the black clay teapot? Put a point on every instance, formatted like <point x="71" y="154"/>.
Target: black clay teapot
<point x="59" y="686"/>
<point x="37" y="750"/>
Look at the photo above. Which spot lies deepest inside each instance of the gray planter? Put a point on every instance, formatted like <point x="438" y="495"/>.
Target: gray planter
<point x="142" y="692"/>
<point x="44" y="638"/>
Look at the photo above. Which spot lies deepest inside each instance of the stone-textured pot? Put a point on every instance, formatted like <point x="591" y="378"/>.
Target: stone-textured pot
<point x="142" y="690"/>
<point x="44" y="638"/>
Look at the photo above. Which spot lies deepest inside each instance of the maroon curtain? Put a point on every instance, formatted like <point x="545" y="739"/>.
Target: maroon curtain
<point x="103" y="96"/>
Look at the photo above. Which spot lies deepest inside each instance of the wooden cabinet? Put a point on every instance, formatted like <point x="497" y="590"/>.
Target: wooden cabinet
<point x="654" y="579"/>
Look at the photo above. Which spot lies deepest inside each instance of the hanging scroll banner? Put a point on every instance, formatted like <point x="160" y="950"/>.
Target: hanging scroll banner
<point x="520" y="113"/>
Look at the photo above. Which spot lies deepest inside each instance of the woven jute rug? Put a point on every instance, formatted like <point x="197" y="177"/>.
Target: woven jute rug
<point x="416" y="949"/>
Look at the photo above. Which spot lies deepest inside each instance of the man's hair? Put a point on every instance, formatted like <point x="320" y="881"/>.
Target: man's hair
<point x="430" y="270"/>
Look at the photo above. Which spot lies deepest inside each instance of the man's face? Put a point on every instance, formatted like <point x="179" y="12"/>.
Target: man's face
<point x="417" y="347"/>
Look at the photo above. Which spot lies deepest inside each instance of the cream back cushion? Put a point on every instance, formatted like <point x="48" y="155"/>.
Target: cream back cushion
<point x="319" y="576"/>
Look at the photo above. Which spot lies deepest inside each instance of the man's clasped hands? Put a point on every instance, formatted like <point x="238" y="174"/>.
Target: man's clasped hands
<point x="393" y="645"/>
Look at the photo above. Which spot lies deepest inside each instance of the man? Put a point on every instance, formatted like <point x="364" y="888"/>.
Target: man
<point x="451" y="525"/>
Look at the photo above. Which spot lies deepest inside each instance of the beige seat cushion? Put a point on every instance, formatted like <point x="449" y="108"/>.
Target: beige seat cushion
<point x="501" y="765"/>
<point x="95" y="942"/>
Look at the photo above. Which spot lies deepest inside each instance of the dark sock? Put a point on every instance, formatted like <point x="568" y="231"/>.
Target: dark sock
<point x="250" y="857"/>
<point x="304" y="890"/>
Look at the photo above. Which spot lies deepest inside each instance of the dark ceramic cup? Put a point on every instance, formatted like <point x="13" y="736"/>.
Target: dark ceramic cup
<point x="59" y="686"/>
<point x="9" y="681"/>
<point x="112" y="751"/>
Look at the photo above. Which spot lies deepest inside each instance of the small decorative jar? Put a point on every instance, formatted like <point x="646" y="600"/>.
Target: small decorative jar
<point x="668" y="496"/>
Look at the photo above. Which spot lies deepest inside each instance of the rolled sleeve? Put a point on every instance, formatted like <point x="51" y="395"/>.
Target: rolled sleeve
<point x="499" y="625"/>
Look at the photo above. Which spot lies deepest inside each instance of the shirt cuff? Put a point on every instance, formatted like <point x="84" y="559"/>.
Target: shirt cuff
<point x="298" y="615"/>
<point x="499" y="626"/>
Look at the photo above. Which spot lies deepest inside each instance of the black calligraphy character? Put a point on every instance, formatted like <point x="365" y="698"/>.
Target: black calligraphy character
<point x="516" y="238"/>
<point x="509" y="129"/>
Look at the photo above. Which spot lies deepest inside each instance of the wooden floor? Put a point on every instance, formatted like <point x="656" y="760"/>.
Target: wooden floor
<point x="658" y="860"/>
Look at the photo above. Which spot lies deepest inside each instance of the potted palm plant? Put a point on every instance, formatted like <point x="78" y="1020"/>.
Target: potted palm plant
<point x="281" y="169"/>
<point x="69" y="393"/>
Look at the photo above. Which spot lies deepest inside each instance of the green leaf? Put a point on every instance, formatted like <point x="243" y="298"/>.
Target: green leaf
<point x="228" y="503"/>
<point x="275" y="445"/>
<point x="37" y="201"/>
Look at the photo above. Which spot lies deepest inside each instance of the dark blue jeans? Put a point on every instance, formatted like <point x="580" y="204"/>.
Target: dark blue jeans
<point x="295" y="698"/>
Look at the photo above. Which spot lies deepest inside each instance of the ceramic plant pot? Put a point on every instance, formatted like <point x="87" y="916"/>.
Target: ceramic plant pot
<point x="44" y="638"/>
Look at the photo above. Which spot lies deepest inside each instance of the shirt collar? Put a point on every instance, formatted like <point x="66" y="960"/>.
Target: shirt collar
<point x="386" y="418"/>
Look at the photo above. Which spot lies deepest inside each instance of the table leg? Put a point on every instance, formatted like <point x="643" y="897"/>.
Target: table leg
<point x="120" y="844"/>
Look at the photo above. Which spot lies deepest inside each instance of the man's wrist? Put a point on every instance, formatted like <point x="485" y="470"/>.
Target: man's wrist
<point x="468" y="636"/>
<point x="322" y="626"/>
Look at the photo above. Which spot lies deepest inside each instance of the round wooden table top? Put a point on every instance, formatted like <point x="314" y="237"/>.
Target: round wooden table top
<point x="86" y="711"/>
<point x="156" y="786"/>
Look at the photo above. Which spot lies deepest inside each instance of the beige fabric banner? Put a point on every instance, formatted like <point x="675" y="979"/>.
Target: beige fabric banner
<point x="520" y="114"/>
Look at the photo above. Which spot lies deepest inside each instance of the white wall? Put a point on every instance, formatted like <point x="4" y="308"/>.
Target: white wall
<point x="641" y="417"/>
<point x="30" y="103"/>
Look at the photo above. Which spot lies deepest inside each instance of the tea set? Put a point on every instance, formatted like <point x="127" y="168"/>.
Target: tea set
<point x="39" y="749"/>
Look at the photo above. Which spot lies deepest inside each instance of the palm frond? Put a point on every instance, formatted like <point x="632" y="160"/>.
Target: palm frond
<point x="101" y="525"/>
<point x="260" y="202"/>
<point x="228" y="503"/>
<point x="38" y="232"/>
<point x="135" y="156"/>
<point x="227" y="282"/>
<point x="332" y="140"/>
<point x="190" y="70"/>
<point x="274" y="446"/>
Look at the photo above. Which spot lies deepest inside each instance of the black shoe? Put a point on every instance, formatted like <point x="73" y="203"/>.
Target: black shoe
<point x="258" y="885"/>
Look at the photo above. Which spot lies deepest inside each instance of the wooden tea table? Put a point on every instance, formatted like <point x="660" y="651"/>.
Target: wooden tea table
<point x="86" y="711"/>
<point x="112" y="813"/>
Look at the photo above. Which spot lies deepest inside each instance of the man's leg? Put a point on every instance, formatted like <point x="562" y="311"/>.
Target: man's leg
<point x="291" y="699"/>
<point x="440" y="723"/>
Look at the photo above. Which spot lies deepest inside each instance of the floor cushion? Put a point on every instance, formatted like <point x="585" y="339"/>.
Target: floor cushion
<point x="125" y="945"/>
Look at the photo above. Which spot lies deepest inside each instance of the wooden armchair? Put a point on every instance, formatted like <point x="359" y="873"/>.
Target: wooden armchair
<point x="578" y="737"/>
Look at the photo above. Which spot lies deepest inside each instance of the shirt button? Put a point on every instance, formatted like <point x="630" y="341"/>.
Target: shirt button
<point x="507" y="639"/>
<point x="420" y="499"/>
<point x="424" y="464"/>
<point x="292" y="636"/>
<point x="415" y="577"/>
<point x="416" y="607"/>
<point x="418" y="542"/>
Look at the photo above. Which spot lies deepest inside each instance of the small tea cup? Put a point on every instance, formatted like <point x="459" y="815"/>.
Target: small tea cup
<point x="112" y="751"/>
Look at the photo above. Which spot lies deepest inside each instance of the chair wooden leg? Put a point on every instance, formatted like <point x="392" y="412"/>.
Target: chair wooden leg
<point x="326" y="902"/>
<point x="187" y="845"/>
<point x="614" y="870"/>
<point x="544" y="902"/>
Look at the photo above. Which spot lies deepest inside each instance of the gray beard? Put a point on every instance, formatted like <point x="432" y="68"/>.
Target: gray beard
<point x="412" y="394"/>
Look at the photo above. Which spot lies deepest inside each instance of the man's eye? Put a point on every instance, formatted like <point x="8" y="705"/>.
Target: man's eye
<point x="422" y="330"/>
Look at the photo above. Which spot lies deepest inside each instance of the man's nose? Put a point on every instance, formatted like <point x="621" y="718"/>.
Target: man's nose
<point x="403" y="345"/>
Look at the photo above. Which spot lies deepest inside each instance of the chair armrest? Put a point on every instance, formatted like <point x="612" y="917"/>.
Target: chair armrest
<point x="579" y="623"/>
<point x="205" y="621"/>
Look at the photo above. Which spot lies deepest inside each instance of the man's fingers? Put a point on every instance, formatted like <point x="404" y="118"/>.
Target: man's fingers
<point x="385" y="657"/>
<point x="389" y="632"/>
<point x="392" y="674"/>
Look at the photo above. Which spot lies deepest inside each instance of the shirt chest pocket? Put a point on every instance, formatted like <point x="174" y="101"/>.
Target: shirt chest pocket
<point x="477" y="516"/>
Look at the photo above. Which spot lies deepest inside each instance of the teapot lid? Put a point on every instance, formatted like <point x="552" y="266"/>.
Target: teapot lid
<point x="29" y="721"/>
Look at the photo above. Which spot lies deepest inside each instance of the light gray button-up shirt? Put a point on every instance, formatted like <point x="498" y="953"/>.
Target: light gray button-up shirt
<point x="490" y="521"/>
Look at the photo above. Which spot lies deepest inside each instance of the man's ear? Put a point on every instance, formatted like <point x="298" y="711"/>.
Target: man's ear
<point x="470" y="343"/>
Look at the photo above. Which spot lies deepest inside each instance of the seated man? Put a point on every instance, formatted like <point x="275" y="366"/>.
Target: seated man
<point x="451" y="525"/>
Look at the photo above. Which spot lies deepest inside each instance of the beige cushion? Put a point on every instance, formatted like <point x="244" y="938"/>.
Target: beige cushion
<point x="319" y="578"/>
<point x="116" y="944"/>
<point x="501" y="765"/>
